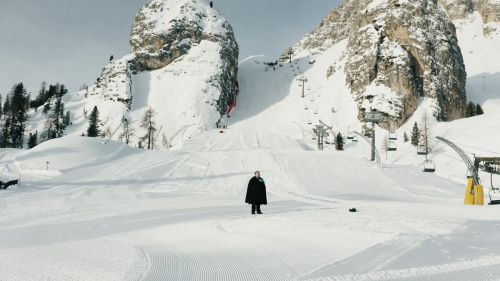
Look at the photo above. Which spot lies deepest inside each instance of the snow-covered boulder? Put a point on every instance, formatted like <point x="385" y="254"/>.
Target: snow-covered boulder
<point x="183" y="64"/>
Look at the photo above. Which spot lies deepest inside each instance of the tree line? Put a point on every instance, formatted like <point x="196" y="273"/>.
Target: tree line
<point x="14" y="115"/>
<point x="148" y="123"/>
<point x="17" y="103"/>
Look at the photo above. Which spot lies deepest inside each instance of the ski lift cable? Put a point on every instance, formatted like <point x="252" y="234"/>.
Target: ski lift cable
<point x="114" y="132"/>
<point x="482" y="149"/>
<point x="377" y="156"/>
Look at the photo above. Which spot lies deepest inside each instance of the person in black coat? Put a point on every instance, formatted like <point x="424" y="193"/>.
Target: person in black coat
<point x="256" y="193"/>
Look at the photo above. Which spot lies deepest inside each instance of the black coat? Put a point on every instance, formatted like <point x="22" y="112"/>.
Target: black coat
<point x="256" y="191"/>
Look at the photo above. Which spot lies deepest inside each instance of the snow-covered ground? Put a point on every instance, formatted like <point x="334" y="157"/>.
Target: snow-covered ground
<point x="112" y="212"/>
<point x="90" y="210"/>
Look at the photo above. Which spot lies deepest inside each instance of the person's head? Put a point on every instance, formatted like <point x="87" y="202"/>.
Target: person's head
<point x="257" y="174"/>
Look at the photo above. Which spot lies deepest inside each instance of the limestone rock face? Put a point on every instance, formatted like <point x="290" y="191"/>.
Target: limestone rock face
<point x="165" y="30"/>
<point x="489" y="10"/>
<point x="399" y="52"/>
<point x="115" y="81"/>
<point x="409" y="47"/>
<point x="458" y="9"/>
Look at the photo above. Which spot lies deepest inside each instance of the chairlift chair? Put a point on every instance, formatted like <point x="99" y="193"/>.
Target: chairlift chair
<point x="429" y="166"/>
<point x="421" y="150"/>
<point x="355" y="139"/>
<point x="393" y="136"/>
<point x="392" y="146"/>
<point x="494" y="193"/>
<point x="350" y="136"/>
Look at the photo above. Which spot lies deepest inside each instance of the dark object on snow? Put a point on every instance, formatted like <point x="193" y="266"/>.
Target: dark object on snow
<point x="353" y="210"/>
<point x="256" y="193"/>
<point x="211" y="4"/>
<point x="111" y="58"/>
<point x="4" y="185"/>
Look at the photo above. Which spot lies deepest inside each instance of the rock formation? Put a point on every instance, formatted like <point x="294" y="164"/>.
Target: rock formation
<point x="399" y="51"/>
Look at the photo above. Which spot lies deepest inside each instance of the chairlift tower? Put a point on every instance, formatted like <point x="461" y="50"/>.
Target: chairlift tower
<point x="303" y="79"/>
<point x="290" y="53"/>
<point x="320" y="131"/>
<point x="374" y="117"/>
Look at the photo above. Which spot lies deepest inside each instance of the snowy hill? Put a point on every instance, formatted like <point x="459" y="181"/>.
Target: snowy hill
<point x="183" y="66"/>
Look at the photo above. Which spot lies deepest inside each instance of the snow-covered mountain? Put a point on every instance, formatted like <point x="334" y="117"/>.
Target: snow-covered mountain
<point x="184" y="65"/>
<point x="397" y="55"/>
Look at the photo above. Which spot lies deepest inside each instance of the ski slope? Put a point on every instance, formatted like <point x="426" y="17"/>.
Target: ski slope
<point x="111" y="212"/>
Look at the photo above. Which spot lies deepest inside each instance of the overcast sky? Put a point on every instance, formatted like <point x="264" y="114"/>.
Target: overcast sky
<point x="69" y="41"/>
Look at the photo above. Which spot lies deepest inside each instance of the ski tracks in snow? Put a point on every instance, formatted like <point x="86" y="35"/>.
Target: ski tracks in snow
<point x="485" y="268"/>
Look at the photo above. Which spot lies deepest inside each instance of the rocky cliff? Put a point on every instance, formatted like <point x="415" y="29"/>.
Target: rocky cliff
<point x="398" y="53"/>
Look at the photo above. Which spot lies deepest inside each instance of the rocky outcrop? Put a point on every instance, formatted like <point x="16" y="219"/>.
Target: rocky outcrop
<point x="489" y="10"/>
<point x="462" y="9"/>
<point x="165" y="30"/>
<point x="458" y="9"/>
<point x="399" y="51"/>
<point x="115" y="81"/>
<point x="421" y="59"/>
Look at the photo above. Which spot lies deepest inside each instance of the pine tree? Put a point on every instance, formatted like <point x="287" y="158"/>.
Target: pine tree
<point x="339" y="142"/>
<point x="415" y="135"/>
<point x="149" y="124"/>
<point x="33" y="140"/>
<point x="67" y="119"/>
<point x="405" y="137"/>
<point x="479" y="109"/>
<point x="471" y="109"/>
<point x="6" y="105"/>
<point x="18" y="115"/>
<point x="5" y="140"/>
<point x="1" y="108"/>
<point x="41" y="98"/>
<point x="50" y="133"/>
<point x="93" y="129"/>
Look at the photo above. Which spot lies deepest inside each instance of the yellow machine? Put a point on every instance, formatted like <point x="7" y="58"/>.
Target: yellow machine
<point x="474" y="194"/>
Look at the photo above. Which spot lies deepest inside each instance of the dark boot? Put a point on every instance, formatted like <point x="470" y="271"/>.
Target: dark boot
<point x="258" y="209"/>
<point x="253" y="209"/>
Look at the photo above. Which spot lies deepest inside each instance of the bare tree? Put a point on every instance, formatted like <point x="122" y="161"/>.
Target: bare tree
<point x="106" y="133"/>
<point x="128" y="131"/>
<point x="426" y="135"/>
<point x="149" y="124"/>
<point x="167" y="143"/>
